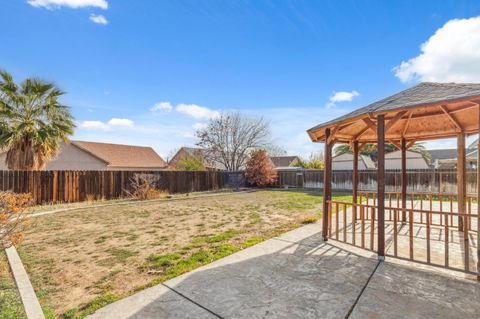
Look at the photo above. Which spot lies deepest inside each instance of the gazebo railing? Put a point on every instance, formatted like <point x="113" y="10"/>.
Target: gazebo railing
<point x="443" y="203"/>
<point x="424" y="236"/>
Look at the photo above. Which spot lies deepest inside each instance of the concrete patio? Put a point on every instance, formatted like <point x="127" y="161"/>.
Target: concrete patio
<point x="298" y="275"/>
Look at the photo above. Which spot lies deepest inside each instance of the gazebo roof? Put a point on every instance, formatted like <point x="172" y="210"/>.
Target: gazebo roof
<point x="425" y="111"/>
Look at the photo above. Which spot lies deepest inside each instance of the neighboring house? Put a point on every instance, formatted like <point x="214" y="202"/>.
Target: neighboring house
<point x="284" y="162"/>
<point x="80" y="155"/>
<point x="190" y="153"/>
<point x="415" y="160"/>
<point x="442" y="158"/>
<point x="447" y="158"/>
<point x="473" y="146"/>
<point x="451" y="163"/>
<point x="344" y="161"/>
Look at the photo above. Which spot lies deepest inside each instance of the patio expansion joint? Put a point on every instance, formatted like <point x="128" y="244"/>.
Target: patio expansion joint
<point x="192" y="301"/>
<point x="363" y="289"/>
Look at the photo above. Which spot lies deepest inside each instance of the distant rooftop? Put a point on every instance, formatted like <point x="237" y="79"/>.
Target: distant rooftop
<point x="119" y="155"/>
<point x="283" y="161"/>
<point x="440" y="154"/>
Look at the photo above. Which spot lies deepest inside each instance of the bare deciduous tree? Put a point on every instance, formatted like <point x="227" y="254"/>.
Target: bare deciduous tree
<point x="276" y="150"/>
<point x="229" y="138"/>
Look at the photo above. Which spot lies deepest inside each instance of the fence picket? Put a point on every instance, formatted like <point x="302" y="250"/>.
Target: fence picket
<point x="74" y="186"/>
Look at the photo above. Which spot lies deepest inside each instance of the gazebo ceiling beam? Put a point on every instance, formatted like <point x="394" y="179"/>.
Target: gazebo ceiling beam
<point x="438" y="113"/>
<point x="334" y="130"/>
<point x="407" y="123"/>
<point x="451" y="118"/>
<point x="394" y="120"/>
<point x="470" y="106"/>
<point x="410" y="144"/>
<point x="370" y="125"/>
<point x="397" y="145"/>
<point x="363" y="130"/>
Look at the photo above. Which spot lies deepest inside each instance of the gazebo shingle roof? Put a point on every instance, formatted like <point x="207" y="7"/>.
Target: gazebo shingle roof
<point x="421" y="94"/>
<point x="419" y="97"/>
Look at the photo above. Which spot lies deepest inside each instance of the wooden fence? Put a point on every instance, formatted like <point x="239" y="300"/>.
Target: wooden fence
<point x="75" y="186"/>
<point x="418" y="181"/>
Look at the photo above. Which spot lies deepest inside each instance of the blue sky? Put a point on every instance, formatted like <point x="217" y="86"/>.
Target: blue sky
<point x="150" y="72"/>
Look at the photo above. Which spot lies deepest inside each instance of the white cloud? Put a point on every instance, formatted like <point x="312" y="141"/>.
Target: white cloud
<point x="200" y="126"/>
<point x="162" y="106"/>
<point x="101" y="126"/>
<point x="120" y="122"/>
<point x="452" y="54"/>
<point x="343" y="96"/>
<point x="98" y="19"/>
<point x="197" y="111"/>
<point x="75" y="4"/>
<point x="94" y="126"/>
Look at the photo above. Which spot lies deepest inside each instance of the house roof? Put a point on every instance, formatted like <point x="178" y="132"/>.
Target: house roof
<point x="283" y="161"/>
<point x="367" y="160"/>
<point x="193" y="151"/>
<point x="472" y="155"/>
<point x="397" y="154"/>
<point x="118" y="155"/>
<point x="473" y="145"/>
<point x="448" y="153"/>
<point x="428" y="110"/>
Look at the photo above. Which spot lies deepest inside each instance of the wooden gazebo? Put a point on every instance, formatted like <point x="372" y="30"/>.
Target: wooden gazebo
<point x="424" y="112"/>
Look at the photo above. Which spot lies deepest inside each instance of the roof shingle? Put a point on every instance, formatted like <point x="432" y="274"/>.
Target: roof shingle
<point x="283" y="161"/>
<point x="118" y="155"/>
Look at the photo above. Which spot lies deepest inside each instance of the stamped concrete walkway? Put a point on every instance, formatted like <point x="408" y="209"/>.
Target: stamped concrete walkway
<point x="297" y="275"/>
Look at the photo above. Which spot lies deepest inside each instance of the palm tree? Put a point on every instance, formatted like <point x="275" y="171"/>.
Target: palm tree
<point x="32" y="122"/>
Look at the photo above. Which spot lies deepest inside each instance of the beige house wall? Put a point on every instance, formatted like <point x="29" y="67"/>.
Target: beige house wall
<point x="69" y="158"/>
<point x="72" y="158"/>
<point x="415" y="160"/>
<point x="345" y="162"/>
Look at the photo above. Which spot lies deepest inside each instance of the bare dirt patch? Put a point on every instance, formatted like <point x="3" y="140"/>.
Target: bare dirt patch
<point x="81" y="260"/>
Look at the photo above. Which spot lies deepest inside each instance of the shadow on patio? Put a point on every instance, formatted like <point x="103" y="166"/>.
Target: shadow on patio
<point x="299" y="276"/>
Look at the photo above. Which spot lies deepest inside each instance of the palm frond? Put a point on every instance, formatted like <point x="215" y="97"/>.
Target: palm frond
<point x="34" y="122"/>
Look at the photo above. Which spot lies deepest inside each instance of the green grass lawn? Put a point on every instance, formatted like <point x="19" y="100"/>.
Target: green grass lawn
<point x="82" y="260"/>
<point x="10" y="304"/>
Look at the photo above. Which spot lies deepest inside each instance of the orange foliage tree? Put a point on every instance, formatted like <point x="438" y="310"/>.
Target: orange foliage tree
<point x="13" y="219"/>
<point x="260" y="170"/>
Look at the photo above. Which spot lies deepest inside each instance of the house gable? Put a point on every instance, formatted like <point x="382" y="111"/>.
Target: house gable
<point x="415" y="160"/>
<point x="72" y="157"/>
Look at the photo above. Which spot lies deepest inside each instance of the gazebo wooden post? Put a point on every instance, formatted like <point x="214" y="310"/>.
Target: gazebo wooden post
<point x="381" y="186"/>
<point x="355" y="179"/>
<point x="327" y="184"/>
<point x="461" y="179"/>
<point x="404" y="179"/>
<point x="478" y="197"/>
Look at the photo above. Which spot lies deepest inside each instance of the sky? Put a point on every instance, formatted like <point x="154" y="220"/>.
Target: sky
<point x="152" y="72"/>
